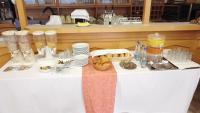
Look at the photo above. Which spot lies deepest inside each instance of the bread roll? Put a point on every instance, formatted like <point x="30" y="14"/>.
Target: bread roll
<point x="101" y="62"/>
<point x="115" y="55"/>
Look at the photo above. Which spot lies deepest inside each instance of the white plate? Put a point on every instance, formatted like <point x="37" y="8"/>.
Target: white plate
<point x="80" y="45"/>
<point x="81" y="60"/>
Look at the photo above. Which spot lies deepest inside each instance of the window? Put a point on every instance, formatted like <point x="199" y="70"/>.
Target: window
<point x="174" y="10"/>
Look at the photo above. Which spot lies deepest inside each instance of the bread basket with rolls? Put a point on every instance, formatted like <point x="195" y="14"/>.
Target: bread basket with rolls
<point x="115" y="55"/>
<point x="101" y="63"/>
<point x="102" y="59"/>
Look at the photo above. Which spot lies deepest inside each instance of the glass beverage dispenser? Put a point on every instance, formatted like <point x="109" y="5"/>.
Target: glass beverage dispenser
<point x="155" y="44"/>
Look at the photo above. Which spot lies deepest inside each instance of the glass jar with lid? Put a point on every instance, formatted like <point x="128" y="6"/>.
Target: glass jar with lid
<point x="25" y="47"/>
<point x="12" y="45"/>
<point x="51" y="38"/>
<point x="40" y="43"/>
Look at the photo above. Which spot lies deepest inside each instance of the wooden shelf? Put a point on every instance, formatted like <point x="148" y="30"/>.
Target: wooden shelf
<point x="154" y="27"/>
<point x="113" y="5"/>
<point x="77" y="5"/>
<point x="126" y="8"/>
<point x="94" y="4"/>
<point x="39" y="6"/>
<point x="6" y="25"/>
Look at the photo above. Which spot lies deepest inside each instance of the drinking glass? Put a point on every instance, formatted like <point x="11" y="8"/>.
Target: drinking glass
<point x="179" y="55"/>
<point x="68" y="53"/>
<point x="11" y="43"/>
<point x="188" y="56"/>
<point x="66" y="57"/>
<point x="40" y="43"/>
<point x="51" y="38"/>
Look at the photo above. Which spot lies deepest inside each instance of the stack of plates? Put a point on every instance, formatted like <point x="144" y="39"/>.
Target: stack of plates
<point x="80" y="48"/>
<point x="81" y="60"/>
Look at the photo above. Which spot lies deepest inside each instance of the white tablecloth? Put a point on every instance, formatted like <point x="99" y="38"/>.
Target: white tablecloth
<point x="138" y="91"/>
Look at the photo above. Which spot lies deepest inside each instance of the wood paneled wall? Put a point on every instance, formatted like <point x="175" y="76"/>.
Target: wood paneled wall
<point x="4" y="54"/>
<point x="126" y="40"/>
<point x="186" y="39"/>
<point x="196" y="55"/>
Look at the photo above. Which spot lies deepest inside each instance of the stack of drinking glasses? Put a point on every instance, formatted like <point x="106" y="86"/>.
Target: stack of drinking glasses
<point x="19" y="47"/>
<point x="179" y="55"/>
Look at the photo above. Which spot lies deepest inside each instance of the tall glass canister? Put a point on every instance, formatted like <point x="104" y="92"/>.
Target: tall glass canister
<point x="40" y="43"/>
<point x="51" y="38"/>
<point x="25" y="46"/>
<point x="12" y="45"/>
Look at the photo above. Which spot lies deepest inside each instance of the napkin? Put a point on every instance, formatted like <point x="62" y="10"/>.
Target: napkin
<point x="99" y="89"/>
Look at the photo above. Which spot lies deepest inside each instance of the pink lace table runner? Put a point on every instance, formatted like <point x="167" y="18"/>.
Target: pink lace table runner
<point x="99" y="89"/>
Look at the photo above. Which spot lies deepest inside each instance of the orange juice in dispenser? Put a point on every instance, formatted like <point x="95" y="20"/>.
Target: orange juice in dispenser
<point x="155" y="45"/>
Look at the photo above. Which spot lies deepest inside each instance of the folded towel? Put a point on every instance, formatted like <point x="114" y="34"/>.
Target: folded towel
<point x="99" y="89"/>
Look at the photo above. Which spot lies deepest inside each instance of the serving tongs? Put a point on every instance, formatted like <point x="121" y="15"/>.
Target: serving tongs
<point x="18" y="68"/>
<point x="67" y="64"/>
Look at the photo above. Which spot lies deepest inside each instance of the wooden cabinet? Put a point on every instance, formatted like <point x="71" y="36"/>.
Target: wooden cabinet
<point x="94" y="7"/>
<point x="5" y="27"/>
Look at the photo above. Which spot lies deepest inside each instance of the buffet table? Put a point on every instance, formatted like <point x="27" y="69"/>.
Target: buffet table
<point x="138" y="91"/>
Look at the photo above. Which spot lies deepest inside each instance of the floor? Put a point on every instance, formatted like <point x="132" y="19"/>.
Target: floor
<point x="195" y="104"/>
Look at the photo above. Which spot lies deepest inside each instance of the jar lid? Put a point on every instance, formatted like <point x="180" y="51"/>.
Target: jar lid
<point x="156" y="35"/>
<point x="8" y="33"/>
<point x="51" y="32"/>
<point x="38" y="33"/>
<point x="22" y="32"/>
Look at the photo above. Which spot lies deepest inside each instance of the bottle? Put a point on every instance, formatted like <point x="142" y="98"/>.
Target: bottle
<point x="143" y="59"/>
<point x="137" y="51"/>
